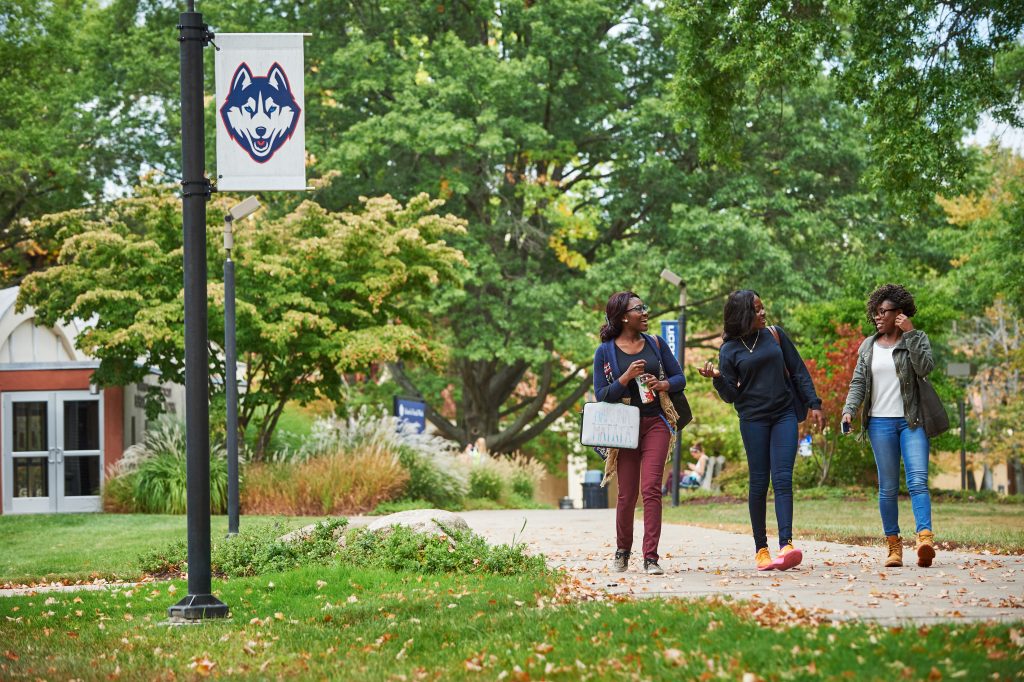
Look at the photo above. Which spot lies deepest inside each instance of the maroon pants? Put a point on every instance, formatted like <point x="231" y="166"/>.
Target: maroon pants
<point x="641" y="471"/>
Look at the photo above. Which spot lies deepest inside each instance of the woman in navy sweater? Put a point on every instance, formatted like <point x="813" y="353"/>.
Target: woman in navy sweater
<point x="753" y="365"/>
<point x="625" y="354"/>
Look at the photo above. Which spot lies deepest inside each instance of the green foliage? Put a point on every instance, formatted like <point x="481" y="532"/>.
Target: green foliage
<point x="402" y="549"/>
<point x="318" y="294"/>
<point x="395" y="506"/>
<point x="151" y="476"/>
<point x="435" y="480"/>
<point x="254" y="551"/>
<point x="485" y="483"/>
<point x="919" y="75"/>
<point x="86" y="105"/>
<point x="522" y="485"/>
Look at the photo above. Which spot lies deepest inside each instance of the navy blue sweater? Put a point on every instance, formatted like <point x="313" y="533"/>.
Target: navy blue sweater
<point x="755" y="383"/>
<point x="607" y="387"/>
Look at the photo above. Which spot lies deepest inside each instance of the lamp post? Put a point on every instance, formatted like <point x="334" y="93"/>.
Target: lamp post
<point x="200" y="603"/>
<point x="963" y="372"/>
<point x="237" y="212"/>
<point x="675" y="280"/>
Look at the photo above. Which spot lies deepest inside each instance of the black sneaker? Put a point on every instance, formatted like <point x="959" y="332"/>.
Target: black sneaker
<point x="651" y="567"/>
<point x="620" y="561"/>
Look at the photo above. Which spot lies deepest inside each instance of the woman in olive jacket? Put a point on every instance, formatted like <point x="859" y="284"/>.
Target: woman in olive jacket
<point x="884" y="384"/>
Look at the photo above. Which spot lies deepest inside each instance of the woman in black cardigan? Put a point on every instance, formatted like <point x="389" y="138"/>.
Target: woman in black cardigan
<point x="756" y="364"/>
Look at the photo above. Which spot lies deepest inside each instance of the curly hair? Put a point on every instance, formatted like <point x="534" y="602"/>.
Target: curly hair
<point x="618" y="303"/>
<point x="900" y="297"/>
<point x="739" y="317"/>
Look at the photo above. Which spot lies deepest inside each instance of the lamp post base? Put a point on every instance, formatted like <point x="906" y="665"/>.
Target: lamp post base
<point x="197" y="607"/>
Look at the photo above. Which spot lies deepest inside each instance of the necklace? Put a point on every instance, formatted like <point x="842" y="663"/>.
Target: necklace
<point x="750" y="349"/>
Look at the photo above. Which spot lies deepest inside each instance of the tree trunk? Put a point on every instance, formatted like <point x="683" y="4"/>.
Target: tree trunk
<point x="1014" y="476"/>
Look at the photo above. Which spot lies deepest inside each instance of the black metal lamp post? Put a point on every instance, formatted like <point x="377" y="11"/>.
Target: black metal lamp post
<point x="237" y="212"/>
<point x="675" y="280"/>
<point x="963" y="372"/>
<point x="199" y="603"/>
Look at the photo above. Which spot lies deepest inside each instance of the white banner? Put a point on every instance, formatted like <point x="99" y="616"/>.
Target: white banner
<point x="261" y="124"/>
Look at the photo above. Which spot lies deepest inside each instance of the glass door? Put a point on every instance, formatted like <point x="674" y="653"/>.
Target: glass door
<point x="79" y="457"/>
<point x="52" y="452"/>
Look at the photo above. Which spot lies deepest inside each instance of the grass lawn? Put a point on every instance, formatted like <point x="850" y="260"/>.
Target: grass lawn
<point x="974" y="525"/>
<point x="84" y="546"/>
<point x="339" y="623"/>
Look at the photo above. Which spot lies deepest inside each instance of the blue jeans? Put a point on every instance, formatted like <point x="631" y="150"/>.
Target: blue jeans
<point x="771" y="451"/>
<point x="891" y="440"/>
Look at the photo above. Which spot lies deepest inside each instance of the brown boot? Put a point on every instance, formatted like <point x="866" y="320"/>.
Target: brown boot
<point x="895" y="558"/>
<point x="925" y="548"/>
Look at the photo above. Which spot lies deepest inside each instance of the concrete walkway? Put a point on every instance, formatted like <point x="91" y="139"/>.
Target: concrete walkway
<point x="834" y="582"/>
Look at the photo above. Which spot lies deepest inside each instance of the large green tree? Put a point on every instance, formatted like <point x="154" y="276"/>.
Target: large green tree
<point x="919" y="73"/>
<point x="318" y="293"/>
<point x="85" y="91"/>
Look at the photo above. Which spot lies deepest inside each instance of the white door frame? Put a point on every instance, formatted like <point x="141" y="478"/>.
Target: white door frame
<point x="55" y="454"/>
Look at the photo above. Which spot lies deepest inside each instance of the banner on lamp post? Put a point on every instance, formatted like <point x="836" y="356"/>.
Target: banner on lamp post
<point x="670" y="332"/>
<point x="261" y="124"/>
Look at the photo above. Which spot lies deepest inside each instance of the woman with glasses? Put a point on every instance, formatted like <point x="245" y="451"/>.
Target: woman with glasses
<point x="756" y="365"/>
<point x="884" y="385"/>
<point x="627" y="362"/>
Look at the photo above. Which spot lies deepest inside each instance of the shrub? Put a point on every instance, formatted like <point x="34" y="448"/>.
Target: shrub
<point x="150" y="477"/>
<point x="254" y="551"/>
<point x="346" y="481"/>
<point x="486" y="483"/>
<point x="438" y="479"/>
<point x="402" y="549"/>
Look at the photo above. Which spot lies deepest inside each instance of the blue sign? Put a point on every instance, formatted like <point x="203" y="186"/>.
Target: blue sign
<point x="412" y="412"/>
<point x="670" y="332"/>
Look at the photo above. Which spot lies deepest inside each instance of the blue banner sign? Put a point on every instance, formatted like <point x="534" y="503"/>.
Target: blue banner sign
<point x="670" y="332"/>
<point x="412" y="411"/>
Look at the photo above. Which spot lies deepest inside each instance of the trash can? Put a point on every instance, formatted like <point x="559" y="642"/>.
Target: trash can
<point x="594" y="496"/>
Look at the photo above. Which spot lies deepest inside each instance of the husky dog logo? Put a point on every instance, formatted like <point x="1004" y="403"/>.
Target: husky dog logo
<point x="260" y="113"/>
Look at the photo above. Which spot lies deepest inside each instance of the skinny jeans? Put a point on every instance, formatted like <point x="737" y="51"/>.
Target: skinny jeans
<point x="892" y="439"/>
<point x="771" y="451"/>
<point x="640" y="473"/>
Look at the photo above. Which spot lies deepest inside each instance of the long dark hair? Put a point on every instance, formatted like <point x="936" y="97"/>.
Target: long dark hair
<point x="739" y="317"/>
<point x="617" y="306"/>
<point x="900" y="297"/>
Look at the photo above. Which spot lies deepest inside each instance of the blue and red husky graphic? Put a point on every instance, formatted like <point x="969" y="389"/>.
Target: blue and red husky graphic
<point x="260" y="113"/>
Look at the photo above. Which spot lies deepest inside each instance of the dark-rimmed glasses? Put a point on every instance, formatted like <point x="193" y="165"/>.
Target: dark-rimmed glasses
<point x="642" y="309"/>
<point x="884" y="311"/>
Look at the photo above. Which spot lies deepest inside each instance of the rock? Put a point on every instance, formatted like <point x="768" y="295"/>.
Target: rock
<point x="428" y="521"/>
<point x="306" y="531"/>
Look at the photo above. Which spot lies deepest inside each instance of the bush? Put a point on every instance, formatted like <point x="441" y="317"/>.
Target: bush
<point x="437" y="479"/>
<point x="151" y="476"/>
<point x="346" y="481"/>
<point x="402" y="549"/>
<point x="486" y="483"/>
<point x="254" y="551"/>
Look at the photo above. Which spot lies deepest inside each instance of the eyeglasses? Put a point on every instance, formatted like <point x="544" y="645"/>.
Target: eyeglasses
<point x="884" y="311"/>
<point x="642" y="309"/>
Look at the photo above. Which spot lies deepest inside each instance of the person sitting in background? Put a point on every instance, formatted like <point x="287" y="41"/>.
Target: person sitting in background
<point x="695" y="470"/>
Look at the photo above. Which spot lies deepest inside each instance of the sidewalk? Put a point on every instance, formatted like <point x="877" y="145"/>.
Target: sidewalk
<point x="837" y="582"/>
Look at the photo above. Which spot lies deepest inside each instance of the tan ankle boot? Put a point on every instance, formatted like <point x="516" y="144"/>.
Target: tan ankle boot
<point x="925" y="548"/>
<point x="895" y="558"/>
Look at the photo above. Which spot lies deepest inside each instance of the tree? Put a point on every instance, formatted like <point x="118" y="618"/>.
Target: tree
<point x="919" y="73"/>
<point x="318" y="294"/>
<point x="84" y="111"/>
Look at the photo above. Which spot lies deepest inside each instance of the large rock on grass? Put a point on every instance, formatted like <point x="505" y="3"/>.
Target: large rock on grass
<point x="427" y="521"/>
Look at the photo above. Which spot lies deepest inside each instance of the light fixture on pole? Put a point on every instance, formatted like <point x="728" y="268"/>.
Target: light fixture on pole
<point x="237" y="212"/>
<point x="963" y="372"/>
<point x="677" y="281"/>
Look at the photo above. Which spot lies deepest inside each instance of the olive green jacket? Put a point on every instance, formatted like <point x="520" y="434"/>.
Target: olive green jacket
<point x="912" y="356"/>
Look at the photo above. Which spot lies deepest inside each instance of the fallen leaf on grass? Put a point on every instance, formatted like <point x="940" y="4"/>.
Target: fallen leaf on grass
<point x="202" y="665"/>
<point x="11" y="656"/>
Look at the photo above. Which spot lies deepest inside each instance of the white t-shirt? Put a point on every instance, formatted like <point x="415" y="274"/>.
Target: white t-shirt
<point x="886" y="398"/>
